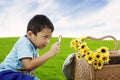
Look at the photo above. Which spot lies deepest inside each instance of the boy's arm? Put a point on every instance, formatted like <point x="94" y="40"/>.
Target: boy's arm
<point x="31" y="64"/>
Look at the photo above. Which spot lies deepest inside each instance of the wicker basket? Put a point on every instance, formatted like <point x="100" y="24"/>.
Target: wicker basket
<point x="111" y="71"/>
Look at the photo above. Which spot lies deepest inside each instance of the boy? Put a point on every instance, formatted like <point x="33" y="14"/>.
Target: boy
<point x="25" y="52"/>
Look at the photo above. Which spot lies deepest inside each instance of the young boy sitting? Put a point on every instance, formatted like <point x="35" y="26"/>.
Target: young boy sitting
<point x="24" y="54"/>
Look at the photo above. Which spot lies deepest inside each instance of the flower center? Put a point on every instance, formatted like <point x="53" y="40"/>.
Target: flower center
<point x="103" y="50"/>
<point x="98" y="56"/>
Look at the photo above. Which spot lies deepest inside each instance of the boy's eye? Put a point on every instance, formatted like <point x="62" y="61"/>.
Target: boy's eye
<point x="47" y="37"/>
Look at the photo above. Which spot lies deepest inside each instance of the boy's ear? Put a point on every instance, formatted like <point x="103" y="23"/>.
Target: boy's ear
<point x="29" y="34"/>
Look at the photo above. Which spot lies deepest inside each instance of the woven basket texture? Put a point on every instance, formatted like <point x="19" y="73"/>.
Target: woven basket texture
<point x="85" y="71"/>
<point x="82" y="70"/>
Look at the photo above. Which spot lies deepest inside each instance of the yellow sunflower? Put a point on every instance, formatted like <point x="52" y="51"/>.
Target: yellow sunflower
<point x="78" y="56"/>
<point x="89" y="58"/>
<point x="75" y="44"/>
<point x="83" y="51"/>
<point x="98" y="56"/>
<point x="100" y="65"/>
<point x="91" y="53"/>
<point x="83" y="46"/>
<point x="95" y="64"/>
<point x="105" y="58"/>
<point x="103" y="50"/>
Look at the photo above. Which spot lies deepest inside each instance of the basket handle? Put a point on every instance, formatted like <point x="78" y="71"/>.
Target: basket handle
<point x="108" y="36"/>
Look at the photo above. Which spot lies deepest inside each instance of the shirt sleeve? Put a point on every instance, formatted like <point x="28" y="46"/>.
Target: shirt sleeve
<point x="24" y="50"/>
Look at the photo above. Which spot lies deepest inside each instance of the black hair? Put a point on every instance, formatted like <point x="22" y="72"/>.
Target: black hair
<point x="39" y="22"/>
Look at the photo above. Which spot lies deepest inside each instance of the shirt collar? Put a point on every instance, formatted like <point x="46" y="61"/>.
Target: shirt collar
<point x="31" y="42"/>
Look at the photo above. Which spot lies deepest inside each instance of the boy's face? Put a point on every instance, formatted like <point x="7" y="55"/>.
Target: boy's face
<point x="41" y="39"/>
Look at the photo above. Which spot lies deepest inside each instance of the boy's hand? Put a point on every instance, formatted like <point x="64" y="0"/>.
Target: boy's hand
<point x="56" y="46"/>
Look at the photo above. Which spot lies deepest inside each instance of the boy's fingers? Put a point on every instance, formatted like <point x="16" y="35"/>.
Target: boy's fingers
<point x="59" y="38"/>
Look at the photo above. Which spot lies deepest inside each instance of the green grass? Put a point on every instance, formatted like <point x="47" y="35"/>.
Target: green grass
<point x="52" y="69"/>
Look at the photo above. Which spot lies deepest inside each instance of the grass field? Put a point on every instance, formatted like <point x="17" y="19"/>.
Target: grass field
<point x="51" y="70"/>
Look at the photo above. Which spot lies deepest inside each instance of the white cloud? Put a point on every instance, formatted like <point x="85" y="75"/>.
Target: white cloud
<point x="104" y="21"/>
<point x="101" y="23"/>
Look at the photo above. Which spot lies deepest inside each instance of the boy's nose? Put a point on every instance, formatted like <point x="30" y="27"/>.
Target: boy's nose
<point x="47" y="41"/>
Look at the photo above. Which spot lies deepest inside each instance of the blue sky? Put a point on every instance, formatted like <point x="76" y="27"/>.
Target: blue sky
<point x="71" y="18"/>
